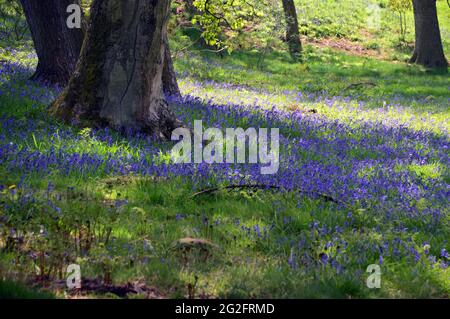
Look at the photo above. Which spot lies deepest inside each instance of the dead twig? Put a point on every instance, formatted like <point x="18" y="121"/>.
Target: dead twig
<point x="356" y="85"/>
<point x="266" y="187"/>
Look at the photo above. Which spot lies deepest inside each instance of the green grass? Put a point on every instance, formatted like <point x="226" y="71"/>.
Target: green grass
<point x="12" y="290"/>
<point x="242" y="266"/>
<point x="349" y="19"/>
<point x="379" y="85"/>
<point x="324" y="70"/>
<point x="344" y="21"/>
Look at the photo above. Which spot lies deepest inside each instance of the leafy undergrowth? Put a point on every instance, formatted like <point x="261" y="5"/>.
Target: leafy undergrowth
<point x="12" y="290"/>
<point x="359" y="183"/>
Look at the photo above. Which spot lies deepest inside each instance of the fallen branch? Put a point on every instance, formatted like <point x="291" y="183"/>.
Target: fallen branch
<point x="262" y="186"/>
<point x="215" y="189"/>
<point x="355" y="85"/>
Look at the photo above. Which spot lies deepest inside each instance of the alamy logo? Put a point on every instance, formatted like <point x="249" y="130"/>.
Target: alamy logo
<point x="374" y="279"/>
<point x="74" y="276"/>
<point x="209" y="146"/>
<point x="74" y="19"/>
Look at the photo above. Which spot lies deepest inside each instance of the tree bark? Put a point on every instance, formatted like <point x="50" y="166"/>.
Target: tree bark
<point x="118" y="79"/>
<point x="428" y="49"/>
<point x="292" y="31"/>
<point x="169" y="77"/>
<point x="57" y="46"/>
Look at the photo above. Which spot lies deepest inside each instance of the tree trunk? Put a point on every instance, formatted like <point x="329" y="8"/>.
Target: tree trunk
<point x="169" y="77"/>
<point x="190" y="8"/>
<point x="118" y="79"/>
<point x="428" y="50"/>
<point x="57" y="46"/>
<point x="292" y="32"/>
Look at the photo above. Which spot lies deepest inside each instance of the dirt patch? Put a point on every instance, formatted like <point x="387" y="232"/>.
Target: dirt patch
<point x="347" y="46"/>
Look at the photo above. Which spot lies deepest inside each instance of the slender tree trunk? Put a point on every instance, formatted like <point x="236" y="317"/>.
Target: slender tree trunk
<point x="428" y="50"/>
<point x="118" y="79"/>
<point x="169" y="77"/>
<point x="57" y="46"/>
<point x="292" y="32"/>
<point x="190" y="8"/>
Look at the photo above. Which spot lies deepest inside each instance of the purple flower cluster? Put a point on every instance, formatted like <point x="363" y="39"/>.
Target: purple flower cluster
<point x="362" y="166"/>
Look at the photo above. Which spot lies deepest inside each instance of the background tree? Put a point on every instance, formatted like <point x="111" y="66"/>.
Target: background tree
<point x="57" y="46"/>
<point x="401" y="7"/>
<point x="428" y="49"/>
<point x="292" y="31"/>
<point x="118" y="81"/>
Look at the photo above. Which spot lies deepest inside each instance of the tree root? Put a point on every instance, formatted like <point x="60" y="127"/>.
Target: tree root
<point x="356" y="85"/>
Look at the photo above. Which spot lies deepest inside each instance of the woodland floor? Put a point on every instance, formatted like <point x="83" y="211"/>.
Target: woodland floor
<point x="372" y="135"/>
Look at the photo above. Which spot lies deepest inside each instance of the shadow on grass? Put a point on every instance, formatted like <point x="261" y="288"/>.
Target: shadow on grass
<point x="330" y="73"/>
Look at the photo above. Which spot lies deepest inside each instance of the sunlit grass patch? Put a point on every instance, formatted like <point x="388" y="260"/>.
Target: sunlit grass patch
<point x="427" y="171"/>
<point x="359" y="97"/>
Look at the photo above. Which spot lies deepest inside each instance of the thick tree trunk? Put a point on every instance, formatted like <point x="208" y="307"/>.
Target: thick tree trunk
<point x="118" y="79"/>
<point x="428" y="50"/>
<point x="57" y="46"/>
<point x="292" y="31"/>
<point x="169" y="77"/>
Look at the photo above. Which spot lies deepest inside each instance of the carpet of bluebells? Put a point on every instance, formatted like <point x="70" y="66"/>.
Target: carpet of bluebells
<point x="375" y="190"/>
